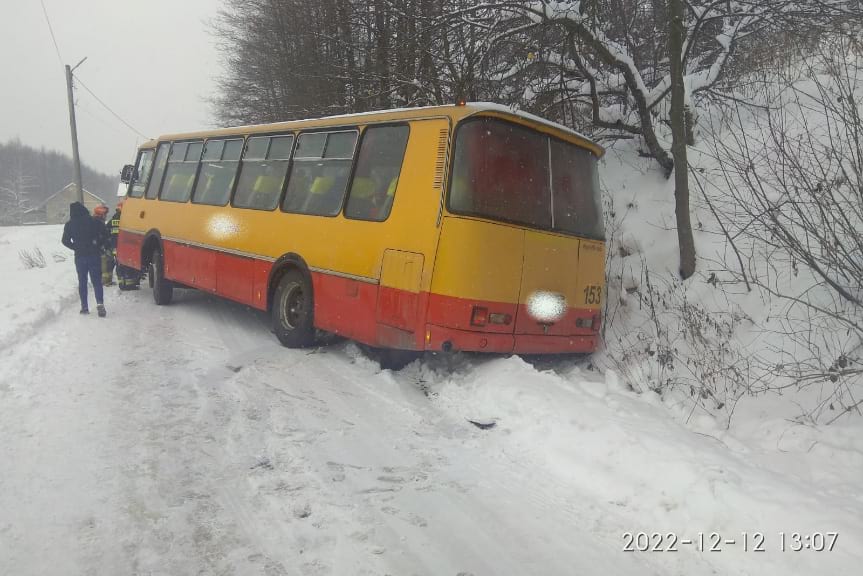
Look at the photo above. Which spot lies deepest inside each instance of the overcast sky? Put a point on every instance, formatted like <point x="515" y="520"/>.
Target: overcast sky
<point x="153" y="62"/>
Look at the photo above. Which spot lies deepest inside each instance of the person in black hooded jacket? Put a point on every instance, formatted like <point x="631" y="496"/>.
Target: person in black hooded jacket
<point x="87" y="237"/>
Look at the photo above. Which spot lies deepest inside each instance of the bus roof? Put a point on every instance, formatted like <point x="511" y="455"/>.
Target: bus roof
<point x="455" y="112"/>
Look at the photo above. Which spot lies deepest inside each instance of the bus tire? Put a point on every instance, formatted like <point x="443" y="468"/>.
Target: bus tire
<point x="293" y="310"/>
<point x="163" y="290"/>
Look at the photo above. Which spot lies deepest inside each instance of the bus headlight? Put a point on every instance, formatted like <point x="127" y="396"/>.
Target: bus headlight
<point x="546" y="306"/>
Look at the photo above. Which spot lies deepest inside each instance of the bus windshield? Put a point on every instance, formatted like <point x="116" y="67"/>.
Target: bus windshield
<point x="507" y="172"/>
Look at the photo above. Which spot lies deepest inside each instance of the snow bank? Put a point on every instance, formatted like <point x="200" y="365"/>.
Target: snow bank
<point x="709" y="345"/>
<point x="645" y="472"/>
<point x="29" y="296"/>
<point x="229" y="453"/>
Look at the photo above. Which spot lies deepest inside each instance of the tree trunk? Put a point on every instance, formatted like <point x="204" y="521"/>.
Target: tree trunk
<point x="678" y="132"/>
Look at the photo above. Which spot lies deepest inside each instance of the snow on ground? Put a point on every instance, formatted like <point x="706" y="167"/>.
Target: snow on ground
<point x="30" y="297"/>
<point x="185" y="440"/>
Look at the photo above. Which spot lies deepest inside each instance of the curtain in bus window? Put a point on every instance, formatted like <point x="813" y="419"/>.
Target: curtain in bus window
<point x="501" y="172"/>
<point x="265" y="166"/>
<point x="218" y="170"/>
<point x="317" y="183"/>
<point x="576" y="197"/>
<point x="379" y="164"/>
<point x="158" y="170"/>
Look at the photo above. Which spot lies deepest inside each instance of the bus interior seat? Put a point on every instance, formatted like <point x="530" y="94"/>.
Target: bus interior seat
<point x="316" y="199"/>
<point x="387" y="205"/>
<point x="263" y="191"/>
<point x="362" y="196"/>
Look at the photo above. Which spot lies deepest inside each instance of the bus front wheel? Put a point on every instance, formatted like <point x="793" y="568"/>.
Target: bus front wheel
<point x="293" y="310"/>
<point x="163" y="290"/>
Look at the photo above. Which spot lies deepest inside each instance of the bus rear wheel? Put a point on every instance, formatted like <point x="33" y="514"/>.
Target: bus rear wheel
<point x="293" y="310"/>
<point x="163" y="290"/>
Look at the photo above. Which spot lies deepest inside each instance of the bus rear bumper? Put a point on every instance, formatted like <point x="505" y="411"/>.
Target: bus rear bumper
<point x="439" y="338"/>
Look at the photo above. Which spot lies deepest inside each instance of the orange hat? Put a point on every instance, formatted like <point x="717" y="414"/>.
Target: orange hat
<point x="101" y="211"/>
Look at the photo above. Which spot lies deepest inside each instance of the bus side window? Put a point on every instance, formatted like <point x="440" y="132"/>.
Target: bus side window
<point x="319" y="177"/>
<point x="376" y="177"/>
<point x="218" y="170"/>
<point x="142" y="174"/>
<point x="263" y="172"/>
<point x="158" y="170"/>
<point x="181" y="171"/>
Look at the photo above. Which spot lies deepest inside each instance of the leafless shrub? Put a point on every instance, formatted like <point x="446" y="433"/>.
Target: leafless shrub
<point x="792" y="199"/>
<point x="679" y="345"/>
<point x="32" y="258"/>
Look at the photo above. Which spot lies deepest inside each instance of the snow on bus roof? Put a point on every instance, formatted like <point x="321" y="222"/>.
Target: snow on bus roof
<point x="491" y="106"/>
<point x="473" y="107"/>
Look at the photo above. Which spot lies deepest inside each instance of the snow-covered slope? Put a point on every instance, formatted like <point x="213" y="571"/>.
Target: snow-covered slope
<point x="184" y="440"/>
<point x="29" y="297"/>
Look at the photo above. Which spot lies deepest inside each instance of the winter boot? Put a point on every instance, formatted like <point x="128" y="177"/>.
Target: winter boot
<point x="84" y="311"/>
<point x="101" y="309"/>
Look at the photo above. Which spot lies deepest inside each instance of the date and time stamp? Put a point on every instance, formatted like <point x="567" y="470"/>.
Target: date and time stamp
<point x="742" y="541"/>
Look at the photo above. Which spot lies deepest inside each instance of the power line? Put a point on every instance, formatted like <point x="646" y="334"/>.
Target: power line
<point x="108" y="108"/>
<point x="51" y="29"/>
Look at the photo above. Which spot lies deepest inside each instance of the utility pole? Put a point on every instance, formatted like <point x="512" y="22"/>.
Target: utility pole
<point x="75" y="158"/>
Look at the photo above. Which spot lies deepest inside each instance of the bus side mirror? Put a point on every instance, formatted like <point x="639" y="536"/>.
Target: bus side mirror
<point x="127" y="173"/>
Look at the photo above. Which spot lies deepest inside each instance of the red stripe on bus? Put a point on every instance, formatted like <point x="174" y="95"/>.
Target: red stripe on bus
<point x="129" y="249"/>
<point x="442" y="338"/>
<point x="575" y="322"/>
<point x="345" y="306"/>
<point x="368" y="313"/>
<point x="456" y="313"/>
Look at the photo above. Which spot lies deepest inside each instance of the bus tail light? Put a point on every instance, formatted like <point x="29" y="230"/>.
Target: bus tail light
<point x="479" y="316"/>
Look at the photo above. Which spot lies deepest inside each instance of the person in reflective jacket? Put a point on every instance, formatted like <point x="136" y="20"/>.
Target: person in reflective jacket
<point x="86" y="236"/>
<point x="100" y="212"/>
<point x="127" y="279"/>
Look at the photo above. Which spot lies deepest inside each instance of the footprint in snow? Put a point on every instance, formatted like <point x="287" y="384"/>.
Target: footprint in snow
<point x="263" y="463"/>
<point x="301" y="511"/>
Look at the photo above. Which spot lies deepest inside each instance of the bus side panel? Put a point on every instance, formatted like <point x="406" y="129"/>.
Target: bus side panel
<point x="129" y="247"/>
<point x="203" y="266"/>
<point x="345" y="306"/>
<point x="235" y="277"/>
<point x="400" y="284"/>
<point x="190" y="265"/>
<point x="176" y="262"/>
<point x="261" y="278"/>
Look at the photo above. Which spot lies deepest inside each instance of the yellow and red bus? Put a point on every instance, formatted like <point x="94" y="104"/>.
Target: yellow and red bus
<point x="467" y="227"/>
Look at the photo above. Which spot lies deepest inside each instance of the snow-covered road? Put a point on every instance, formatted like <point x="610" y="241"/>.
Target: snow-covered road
<point x="184" y="440"/>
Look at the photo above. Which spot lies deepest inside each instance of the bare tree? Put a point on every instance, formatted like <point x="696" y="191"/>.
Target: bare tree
<point x="609" y="57"/>
<point x="676" y="36"/>
<point x="16" y="191"/>
<point x="796" y="200"/>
